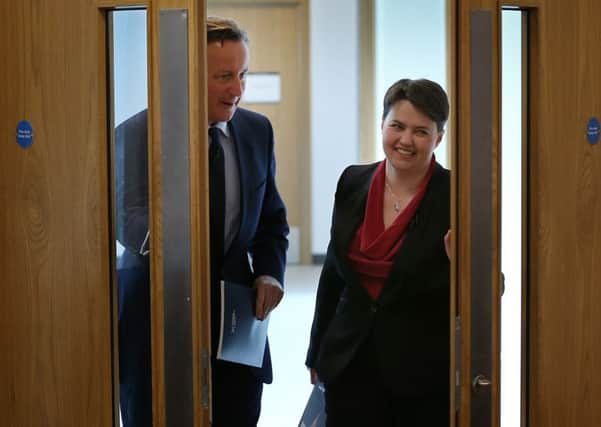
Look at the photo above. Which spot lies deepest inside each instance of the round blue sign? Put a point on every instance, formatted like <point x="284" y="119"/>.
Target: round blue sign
<point x="592" y="130"/>
<point x="24" y="134"/>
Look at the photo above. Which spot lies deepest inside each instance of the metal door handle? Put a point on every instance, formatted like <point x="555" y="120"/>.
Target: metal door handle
<point x="479" y="382"/>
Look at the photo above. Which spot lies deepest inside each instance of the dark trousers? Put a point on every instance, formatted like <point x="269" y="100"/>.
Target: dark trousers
<point x="134" y="345"/>
<point x="361" y="398"/>
<point x="236" y="395"/>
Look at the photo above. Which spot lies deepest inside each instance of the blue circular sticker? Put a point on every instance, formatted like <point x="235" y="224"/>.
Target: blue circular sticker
<point x="24" y="134"/>
<point x="592" y="130"/>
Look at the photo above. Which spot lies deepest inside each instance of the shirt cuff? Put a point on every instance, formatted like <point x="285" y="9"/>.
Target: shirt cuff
<point x="271" y="280"/>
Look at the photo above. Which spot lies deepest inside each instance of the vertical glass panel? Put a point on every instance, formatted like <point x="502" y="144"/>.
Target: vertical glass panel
<point x="129" y="94"/>
<point x="410" y="42"/>
<point x="511" y="216"/>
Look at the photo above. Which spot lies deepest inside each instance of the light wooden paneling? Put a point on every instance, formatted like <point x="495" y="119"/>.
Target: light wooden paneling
<point x="565" y="207"/>
<point x="55" y="363"/>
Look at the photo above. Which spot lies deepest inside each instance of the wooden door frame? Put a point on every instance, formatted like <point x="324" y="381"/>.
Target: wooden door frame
<point x="462" y="207"/>
<point x="557" y="388"/>
<point x="463" y="198"/>
<point x="198" y="141"/>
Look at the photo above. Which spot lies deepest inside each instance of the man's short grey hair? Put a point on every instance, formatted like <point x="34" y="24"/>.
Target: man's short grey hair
<point x="220" y="29"/>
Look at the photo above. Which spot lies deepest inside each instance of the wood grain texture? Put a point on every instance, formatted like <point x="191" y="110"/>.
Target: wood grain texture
<point x="111" y="4"/>
<point x="565" y="207"/>
<point x="199" y="203"/>
<point x="198" y="143"/>
<point x="55" y="366"/>
<point x="464" y="201"/>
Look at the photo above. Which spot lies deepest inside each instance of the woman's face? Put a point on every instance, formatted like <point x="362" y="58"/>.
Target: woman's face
<point x="409" y="138"/>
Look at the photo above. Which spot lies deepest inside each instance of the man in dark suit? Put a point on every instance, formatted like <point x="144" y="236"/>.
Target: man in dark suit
<point x="248" y="234"/>
<point x="255" y="228"/>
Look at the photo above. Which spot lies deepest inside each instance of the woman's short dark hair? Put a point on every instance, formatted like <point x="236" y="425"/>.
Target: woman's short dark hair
<point x="221" y="29"/>
<point x="425" y="95"/>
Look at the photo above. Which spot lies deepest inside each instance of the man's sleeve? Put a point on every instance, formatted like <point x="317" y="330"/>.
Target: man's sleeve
<point x="270" y="243"/>
<point x="131" y="170"/>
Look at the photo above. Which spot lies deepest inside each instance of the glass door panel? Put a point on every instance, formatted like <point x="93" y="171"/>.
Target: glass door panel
<point x="130" y="192"/>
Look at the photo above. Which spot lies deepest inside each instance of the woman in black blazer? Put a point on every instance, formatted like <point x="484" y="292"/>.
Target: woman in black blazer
<point x="380" y="334"/>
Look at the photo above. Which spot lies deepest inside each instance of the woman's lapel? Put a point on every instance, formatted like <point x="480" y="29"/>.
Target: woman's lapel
<point x="348" y="215"/>
<point x="407" y="261"/>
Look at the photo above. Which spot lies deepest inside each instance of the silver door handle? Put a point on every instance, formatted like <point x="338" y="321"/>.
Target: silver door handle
<point x="479" y="382"/>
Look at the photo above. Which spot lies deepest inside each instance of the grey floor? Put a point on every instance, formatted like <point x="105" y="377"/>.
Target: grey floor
<point x="289" y="327"/>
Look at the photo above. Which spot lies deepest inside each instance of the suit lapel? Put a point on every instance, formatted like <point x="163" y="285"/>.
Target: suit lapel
<point x="349" y="215"/>
<point x="406" y="261"/>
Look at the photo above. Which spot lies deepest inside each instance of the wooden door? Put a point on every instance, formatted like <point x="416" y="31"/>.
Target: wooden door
<point x="563" y="351"/>
<point x="56" y="365"/>
<point x="562" y="186"/>
<point x="58" y="323"/>
<point x="278" y="33"/>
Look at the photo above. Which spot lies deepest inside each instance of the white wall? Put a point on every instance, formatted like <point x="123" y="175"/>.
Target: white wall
<point x="410" y="43"/>
<point x="334" y="46"/>
<point x="131" y="83"/>
<point x="410" y="39"/>
<point x="130" y="69"/>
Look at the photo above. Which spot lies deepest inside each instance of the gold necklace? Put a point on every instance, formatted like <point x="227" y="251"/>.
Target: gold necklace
<point x="396" y="203"/>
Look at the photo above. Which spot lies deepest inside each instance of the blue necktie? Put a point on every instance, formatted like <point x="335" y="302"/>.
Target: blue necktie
<point x="217" y="203"/>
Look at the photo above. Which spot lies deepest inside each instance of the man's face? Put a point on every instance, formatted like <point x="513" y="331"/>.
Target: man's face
<point x="226" y="78"/>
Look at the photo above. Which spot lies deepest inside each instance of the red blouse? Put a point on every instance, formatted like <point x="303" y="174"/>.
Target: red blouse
<point x="373" y="248"/>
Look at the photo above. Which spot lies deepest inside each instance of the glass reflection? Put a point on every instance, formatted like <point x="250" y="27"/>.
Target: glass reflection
<point x="128" y="48"/>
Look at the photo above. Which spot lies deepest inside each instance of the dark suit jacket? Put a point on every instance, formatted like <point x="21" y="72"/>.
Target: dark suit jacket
<point x="410" y="321"/>
<point x="260" y="245"/>
<point x="131" y="170"/>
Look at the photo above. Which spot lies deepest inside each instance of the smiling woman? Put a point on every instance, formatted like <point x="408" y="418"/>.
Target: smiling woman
<point x="380" y="333"/>
<point x="412" y="128"/>
<point x="340" y="90"/>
